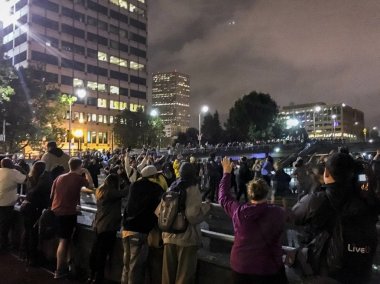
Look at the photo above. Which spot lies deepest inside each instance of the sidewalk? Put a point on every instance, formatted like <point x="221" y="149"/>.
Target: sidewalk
<point x="14" y="271"/>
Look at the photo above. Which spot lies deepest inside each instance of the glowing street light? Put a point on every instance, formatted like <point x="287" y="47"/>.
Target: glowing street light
<point x="81" y="93"/>
<point x="316" y="109"/>
<point x="204" y="109"/>
<point x="154" y="113"/>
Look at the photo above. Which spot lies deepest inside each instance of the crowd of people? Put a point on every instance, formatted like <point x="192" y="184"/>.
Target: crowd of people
<point x="330" y="191"/>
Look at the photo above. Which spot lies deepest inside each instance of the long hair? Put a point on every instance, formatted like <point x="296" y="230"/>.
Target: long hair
<point x="110" y="183"/>
<point x="37" y="169"/>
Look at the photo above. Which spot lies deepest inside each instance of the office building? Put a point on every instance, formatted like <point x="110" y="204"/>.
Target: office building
<point x="171" y="97"/>
<point x="96" y="46"/>
<point x="324" y="121"/>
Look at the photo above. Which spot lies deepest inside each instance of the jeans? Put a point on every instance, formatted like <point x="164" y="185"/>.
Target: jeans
<point x="135" y="259"/>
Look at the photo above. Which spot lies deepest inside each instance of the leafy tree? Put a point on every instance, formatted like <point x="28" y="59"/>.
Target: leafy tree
<point x="132" y="128"/>
<point x="33" y="112"/>
<point x="212" y="132"/>
<point x="252" y="117"/>
<point x="191" y="136"/>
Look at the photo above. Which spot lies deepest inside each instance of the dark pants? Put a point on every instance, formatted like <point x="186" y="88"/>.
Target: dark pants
<point x="242" y="191"/>
<point x="278" y="278"/>
<point x="31" y="235"/>
<point x="6" y="220"/>
<point x="212" y="188"/>
<point x="102" y="247"/>
<point x="267" y="179"/>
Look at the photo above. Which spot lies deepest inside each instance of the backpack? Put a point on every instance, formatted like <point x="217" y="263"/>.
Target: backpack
<point x="352" y="244"/>
<point x="171" y="218"/>
<point x="47" y="225"/>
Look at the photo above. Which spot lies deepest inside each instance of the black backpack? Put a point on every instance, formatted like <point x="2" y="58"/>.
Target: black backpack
<point x="352" y="244"/>
<point x="172" y="218"/>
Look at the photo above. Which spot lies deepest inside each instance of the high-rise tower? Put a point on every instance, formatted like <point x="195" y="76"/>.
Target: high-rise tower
<point x="171" y="97"/>
<point x="96" y="45"/>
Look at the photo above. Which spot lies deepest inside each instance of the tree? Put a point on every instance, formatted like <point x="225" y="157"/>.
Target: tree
<point x="132" y="129"/>
<point x="211" y="130"/>
<point x="33" y="112"/>
<point x="252" y="117"/>
<point x="192" y="136"/>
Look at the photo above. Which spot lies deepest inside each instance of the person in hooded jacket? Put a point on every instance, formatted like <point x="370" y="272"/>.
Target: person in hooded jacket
<point x="180" y="250"/>
<point x="256" y="255"/>
<point x="55" y="157"/>
<point x="318" y="212"/>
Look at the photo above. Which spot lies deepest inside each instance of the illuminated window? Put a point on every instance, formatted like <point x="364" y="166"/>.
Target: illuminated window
<point x="93" y="137"/>
<point x="100" y="118"/>
<point x="114" y="90"/>
<point x="92" y="85"/>
<point x="133" y="107"/>
<point x="102" y="138"/>
<point x="102" y="87"/>
<point x="93" y="117"/>
<point x="142" y="1"/>
<point x="102" y="103"/>
<point x="118" y="61"/>
<point x="136" y="66"/>
<point x="123" y="4"/>
<point x="118" y="105"/>
<point x="102" y="56"/>
<point x="78" y="82"/>
<point x="111" y="119"/>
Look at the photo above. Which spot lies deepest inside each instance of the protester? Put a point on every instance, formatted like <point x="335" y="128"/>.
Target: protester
<point x="340" y="207"/>
<point x="213" y="175"/>
<point x="55" y="157"/>
<point x="106" y="224"/>
<point x="244" y="177"/>
<point x="37" y="199"/>
<point x="267" y="170"/>
<point x="256" y="255"/>
<point x="9" y="178"/>
<point x="138" y="220"/>
<point x="65" y="195"/>
<point x="281" y="185"/>
<point x="180" y="250"/>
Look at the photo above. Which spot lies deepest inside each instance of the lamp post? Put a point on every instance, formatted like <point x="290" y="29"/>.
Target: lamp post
<point x="316" y="109"/>
<point x="334" y="124"/>
<point x="70" y="100"/>
<point x="154" y="114"/>
<point x="204" y="109"/>
<point x="78" y="134"/>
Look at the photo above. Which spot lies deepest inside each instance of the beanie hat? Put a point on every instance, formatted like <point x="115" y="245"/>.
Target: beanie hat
<point x="187" y="171"/>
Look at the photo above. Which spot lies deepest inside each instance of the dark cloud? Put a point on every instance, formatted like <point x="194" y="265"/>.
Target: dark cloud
<point x="297" y="51"/>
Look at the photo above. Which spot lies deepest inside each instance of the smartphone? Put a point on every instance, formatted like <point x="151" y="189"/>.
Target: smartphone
<point x="362" y="178"/>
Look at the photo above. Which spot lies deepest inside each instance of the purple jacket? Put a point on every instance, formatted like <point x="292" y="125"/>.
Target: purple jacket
<point x="258" y="233"/>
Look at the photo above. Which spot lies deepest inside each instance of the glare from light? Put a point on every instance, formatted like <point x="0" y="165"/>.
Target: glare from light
<point x="356" y="123"/>
<point x="370" y="141"/>
<point x="292" y="122"/>
<point x="333" y="116"/>
<point x="343" y="104"/>
<point x="317" y="109"/>
<point x="81" y="93"/>
<point x="154" y="113"/>
<point x="78" y="133"/>
<point x="374" y="128"/>
<point x="277" y="149"/>
<point x="204" y="109"/>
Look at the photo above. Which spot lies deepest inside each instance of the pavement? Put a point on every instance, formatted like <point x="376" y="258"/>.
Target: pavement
<point x="15" y="271"/>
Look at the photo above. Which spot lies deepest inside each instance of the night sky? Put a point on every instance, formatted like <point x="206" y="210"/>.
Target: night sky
<point x="296" y="51"/>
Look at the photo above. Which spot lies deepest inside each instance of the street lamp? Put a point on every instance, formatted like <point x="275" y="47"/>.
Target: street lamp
<point x="78" y="134"/>
<point x="154" y="114"/>
<point x="334" y="123"/>
<point x="204" y="109"/>
<point x="70" y="100"/>
<point x="316" y="109"/>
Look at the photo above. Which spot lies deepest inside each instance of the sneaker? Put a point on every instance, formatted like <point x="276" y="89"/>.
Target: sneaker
<point x="60" y="274"/>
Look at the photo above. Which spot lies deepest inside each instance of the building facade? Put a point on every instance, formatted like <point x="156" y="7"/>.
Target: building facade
<point x="323" y="121"/>
<point x="171" y="97"/>
<point x="96" y="46"/>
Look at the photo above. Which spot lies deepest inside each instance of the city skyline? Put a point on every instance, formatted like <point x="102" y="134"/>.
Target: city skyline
<point x="298" y="52"/>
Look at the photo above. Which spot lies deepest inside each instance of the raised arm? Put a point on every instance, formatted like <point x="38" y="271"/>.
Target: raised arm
<point x="229" y="204"/>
